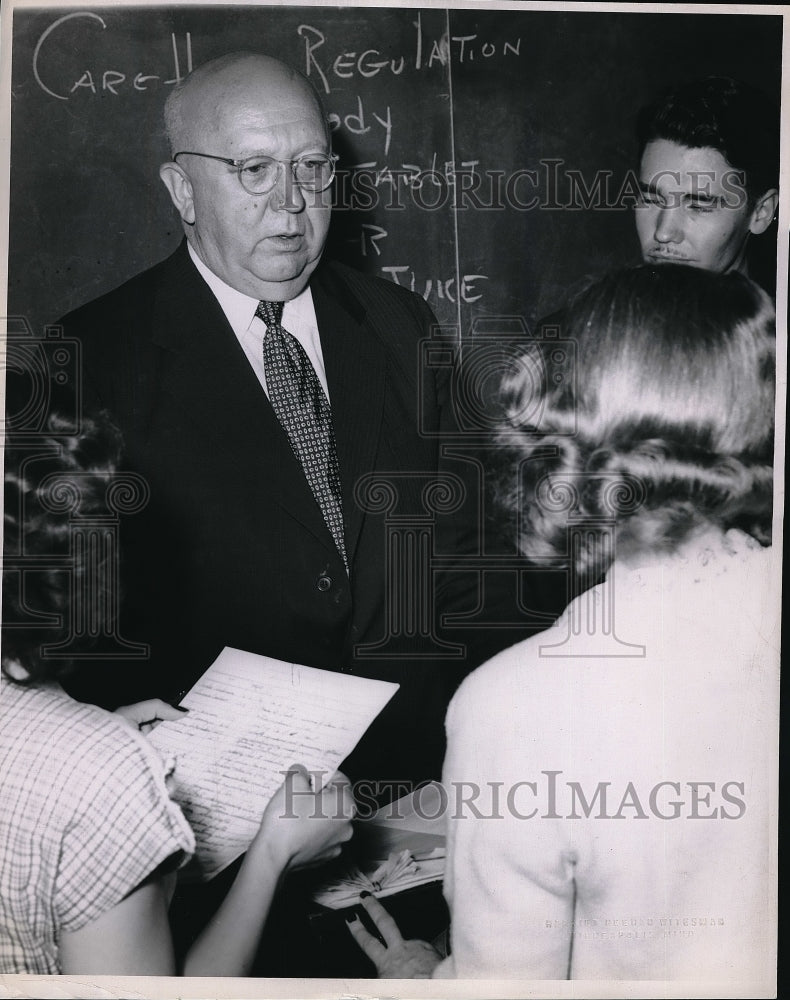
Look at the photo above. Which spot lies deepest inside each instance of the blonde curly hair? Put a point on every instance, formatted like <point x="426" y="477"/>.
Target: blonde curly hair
<point x="662" y="424"/>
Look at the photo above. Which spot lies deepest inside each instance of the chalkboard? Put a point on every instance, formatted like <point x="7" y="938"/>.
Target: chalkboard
<point x="478" y="133"/>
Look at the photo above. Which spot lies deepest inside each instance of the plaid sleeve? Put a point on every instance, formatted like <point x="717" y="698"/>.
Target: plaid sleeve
<point x="123" y="825"/>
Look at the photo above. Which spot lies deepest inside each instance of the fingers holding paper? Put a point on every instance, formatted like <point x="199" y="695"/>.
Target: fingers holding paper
<point x="145" y="715"/>
<point x="303" y="827"/>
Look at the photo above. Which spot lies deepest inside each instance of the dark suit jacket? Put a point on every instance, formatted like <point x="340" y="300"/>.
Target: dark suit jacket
<point x="232" y="548"/>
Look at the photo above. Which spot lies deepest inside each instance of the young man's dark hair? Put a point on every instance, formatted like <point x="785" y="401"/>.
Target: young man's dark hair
<point x="738" y="120"/>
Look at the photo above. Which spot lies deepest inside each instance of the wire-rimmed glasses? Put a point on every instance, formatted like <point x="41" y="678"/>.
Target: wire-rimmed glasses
<point x="259" y="174"/>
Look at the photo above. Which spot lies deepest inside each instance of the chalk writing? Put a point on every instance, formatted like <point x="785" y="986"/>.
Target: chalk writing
<point x="370" y="62"/>
<point x="360" y="124"/>
<point x="370" y="237"/>
<point x="447" y="288"/>
<point x="108" y="81"/>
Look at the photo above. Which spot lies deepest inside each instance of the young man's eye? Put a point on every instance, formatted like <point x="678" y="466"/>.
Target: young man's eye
<point x="648" y="198"/>
<point x="701" y="207"/>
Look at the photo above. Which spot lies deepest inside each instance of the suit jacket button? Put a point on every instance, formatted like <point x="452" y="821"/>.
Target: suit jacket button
<point x="324" y="583"/>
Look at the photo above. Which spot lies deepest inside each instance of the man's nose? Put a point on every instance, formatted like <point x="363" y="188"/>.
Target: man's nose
<point x="668" y="227"/>
<point x="286" y="194"/>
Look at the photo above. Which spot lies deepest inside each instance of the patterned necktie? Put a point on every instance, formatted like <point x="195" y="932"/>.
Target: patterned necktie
<point x="305" y="415"/>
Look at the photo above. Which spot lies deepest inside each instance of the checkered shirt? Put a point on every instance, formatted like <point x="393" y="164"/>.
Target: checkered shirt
<point x="84" y="818"/>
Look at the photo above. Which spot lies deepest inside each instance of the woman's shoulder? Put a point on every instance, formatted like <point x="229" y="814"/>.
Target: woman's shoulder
<point x="52" y="716"/>
<point x="96" y="775"/>
<point x="497" y="682"/>
<point x="71" y="741"/>
<point x="713" y="581"/>
<point x="723" y="586"/>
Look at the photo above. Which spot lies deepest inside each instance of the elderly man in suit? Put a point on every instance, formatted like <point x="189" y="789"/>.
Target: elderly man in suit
<point x="256" y="385"/>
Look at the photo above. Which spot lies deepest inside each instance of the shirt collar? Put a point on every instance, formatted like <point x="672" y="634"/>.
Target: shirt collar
<point x="240" y="309"/>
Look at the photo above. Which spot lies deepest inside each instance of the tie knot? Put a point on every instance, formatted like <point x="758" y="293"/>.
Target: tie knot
<point x="270" y="312"/>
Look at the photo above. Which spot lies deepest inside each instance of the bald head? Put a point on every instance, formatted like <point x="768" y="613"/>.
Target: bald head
<point x="238" y="80"/>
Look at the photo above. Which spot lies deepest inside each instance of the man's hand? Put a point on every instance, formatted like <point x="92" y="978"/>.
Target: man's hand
<point x="144" y="715"/>
<point x="397" y="959"/>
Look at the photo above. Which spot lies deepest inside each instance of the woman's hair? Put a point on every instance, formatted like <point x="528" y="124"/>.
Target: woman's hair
<point x="38" y="577"/>
<point x="655" y="414"/>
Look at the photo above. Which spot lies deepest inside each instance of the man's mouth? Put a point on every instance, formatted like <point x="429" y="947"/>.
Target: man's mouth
<point x="663" y="256"/>
<point x="287" y="241"/>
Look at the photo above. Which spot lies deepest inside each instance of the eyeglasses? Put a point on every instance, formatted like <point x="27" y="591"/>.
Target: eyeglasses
<point x="259" y="174"/>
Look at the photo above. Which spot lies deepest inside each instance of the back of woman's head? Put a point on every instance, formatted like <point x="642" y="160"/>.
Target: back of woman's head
<point x="40" y="575"/>
<point x="662" y="421"/>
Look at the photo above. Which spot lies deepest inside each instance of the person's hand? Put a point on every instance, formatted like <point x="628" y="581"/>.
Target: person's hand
<point x="396" y="958"/>
<point x="144" y="715"/>
<point x="302" y="828"/>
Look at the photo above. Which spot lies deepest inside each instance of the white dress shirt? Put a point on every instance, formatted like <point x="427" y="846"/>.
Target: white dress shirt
<point x="298" y="319"/>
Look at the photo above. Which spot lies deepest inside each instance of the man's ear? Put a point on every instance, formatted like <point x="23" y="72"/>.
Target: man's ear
<point x="764" y="211"/>
<point x="179" y="188"/>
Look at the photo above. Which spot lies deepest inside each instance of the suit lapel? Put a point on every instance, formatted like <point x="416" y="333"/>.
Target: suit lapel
<point x="356" y="376"/>
<point x="207" y="377"/>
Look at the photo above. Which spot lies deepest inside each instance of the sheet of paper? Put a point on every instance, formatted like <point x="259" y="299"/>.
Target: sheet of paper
<point x="421" y="811"/>
<point x="250" y="718"/>
<point x="378" y="842"/>
<point x="416" y="823"/>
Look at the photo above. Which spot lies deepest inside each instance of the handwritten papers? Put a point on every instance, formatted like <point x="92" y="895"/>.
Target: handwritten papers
<point x="401" y="846"/>
<point x="250" y="719"/>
